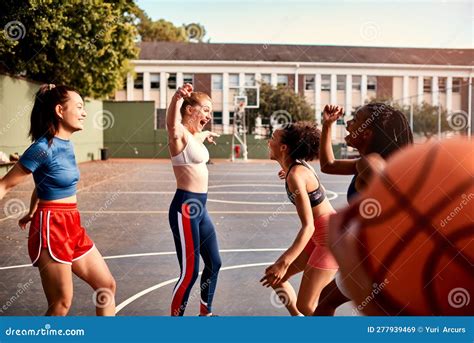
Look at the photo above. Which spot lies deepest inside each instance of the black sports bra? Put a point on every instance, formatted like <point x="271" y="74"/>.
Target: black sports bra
<point x="315" y="197"/>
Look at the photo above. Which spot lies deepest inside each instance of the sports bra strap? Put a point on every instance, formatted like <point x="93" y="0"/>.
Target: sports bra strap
<point x="309" y="167"/>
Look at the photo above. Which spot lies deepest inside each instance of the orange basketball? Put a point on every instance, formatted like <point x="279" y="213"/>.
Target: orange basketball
<point x="416" y="231"/>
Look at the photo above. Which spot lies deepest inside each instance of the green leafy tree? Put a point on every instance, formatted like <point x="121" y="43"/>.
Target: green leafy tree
<point x="85" y="44"/>
<point x="165" y="31"/>
<point x="425" y="117"/>
<point x="280" y="105"/>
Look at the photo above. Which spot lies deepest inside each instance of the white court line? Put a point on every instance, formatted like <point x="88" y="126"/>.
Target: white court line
<point x="170" y="173"/>
<point x="107" y="179"/>
<point x="163" y="253"/>
<point x="168" y="181"/>
<point x="128" y="301"/>
<point x="334" y="196"/>
<point x="211" y="212"/>
<point x="173" y="192"/>
<point x="166" y="212"/>
<point x="248" y="202"/>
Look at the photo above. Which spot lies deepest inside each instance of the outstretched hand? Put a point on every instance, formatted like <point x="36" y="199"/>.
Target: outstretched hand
<point x="209" y="136"/>
<point x="332" y="113"/>
<point x="274" y="274"/>
<point x="282" y="174"/>
<point x="184" y="91"/>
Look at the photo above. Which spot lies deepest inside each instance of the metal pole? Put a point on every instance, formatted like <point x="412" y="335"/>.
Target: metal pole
<point x="245" y="153"/>
<point x="411" y="116"/>
<point x="439" y="121"/>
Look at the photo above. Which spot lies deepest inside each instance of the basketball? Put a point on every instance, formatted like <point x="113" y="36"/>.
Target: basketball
<point x="416" y="233"/>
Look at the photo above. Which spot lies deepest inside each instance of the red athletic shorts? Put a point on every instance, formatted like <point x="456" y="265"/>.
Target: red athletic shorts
<point x="57" y="227"/>
<point x="317" y="248"/>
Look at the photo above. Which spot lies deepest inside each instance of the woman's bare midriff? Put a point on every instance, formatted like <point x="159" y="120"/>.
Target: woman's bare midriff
<point x="192" y="178"/>
<point x="323" y="209"/>
<point x="69" y="200"/>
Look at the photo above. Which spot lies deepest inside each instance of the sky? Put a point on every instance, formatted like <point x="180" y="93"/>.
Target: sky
<point x="431" y="24"/>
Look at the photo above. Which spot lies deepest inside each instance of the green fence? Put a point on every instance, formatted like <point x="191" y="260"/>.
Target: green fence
<point x="129" y="132"/>
<point x="16" y="102"/>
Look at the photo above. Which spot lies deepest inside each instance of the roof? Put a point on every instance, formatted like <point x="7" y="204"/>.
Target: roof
<point x="302" y="53"/>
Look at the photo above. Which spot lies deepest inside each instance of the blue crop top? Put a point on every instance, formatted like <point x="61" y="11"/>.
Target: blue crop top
<point x="54" y="168"/>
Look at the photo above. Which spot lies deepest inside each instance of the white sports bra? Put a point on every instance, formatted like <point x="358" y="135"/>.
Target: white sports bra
<point x="193" y="153"/>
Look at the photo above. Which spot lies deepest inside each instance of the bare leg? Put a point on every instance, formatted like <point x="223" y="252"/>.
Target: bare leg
<point x="57" y="284"/>
<point x="92" y="269"/>
<point x="285" y="290"/>
<point x="331" y="298"/>
<point x="313" y="282"/>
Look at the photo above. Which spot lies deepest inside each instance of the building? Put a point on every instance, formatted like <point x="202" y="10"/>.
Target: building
<point x="346" y="76"/>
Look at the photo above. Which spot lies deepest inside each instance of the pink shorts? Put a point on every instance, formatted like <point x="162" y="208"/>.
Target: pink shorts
<point x="319" y="254"/>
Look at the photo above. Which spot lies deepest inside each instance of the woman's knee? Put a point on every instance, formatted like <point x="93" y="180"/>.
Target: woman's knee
<point x="305" y="308"/>
<point x="60" y="306"/>
<point x="106" y="284"/>
<point x="217" y="264"/>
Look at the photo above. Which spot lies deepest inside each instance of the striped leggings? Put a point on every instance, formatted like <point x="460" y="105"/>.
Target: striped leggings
<point x="194" y="235"/>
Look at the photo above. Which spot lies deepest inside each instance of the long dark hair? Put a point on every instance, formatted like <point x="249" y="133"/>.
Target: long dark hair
<point x="390" y="129"/>
<point x="44" y="122"/>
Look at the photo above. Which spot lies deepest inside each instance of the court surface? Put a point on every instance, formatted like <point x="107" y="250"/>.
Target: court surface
<point x="124" y="206"/>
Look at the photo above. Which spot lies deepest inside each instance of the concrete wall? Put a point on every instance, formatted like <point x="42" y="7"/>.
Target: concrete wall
<point x="16" y="102"/>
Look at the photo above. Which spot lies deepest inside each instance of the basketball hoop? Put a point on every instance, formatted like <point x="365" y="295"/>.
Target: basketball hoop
<point x="240" y="102"/>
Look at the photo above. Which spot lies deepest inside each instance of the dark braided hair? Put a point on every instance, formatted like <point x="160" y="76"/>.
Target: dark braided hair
<point x="302" y="139"/>
<point x="390" y="128"/>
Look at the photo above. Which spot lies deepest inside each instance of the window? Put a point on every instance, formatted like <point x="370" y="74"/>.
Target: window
<point x="154" y="81"/>
<point x="456" y="84"/>
<point x="188" y="78"/>
<point x="138" y="82"/>
<point x="266" y="78"/>
<point x="172" y="81"/>
<point x="371" y="83"/>
<point x="309" y="82"/>
<point x="427" y="84"/>
<point x="217" y="118"/>
<point x="341" y="82"/>
<point x="249" y="79"/>
<point x="282" y="80"/>
<point x="216" y="82"/>
<point x="442" y="84"/>
<point x="356" y="81"/>
<point x="325" y="82"/>
<point x="234" y="80"/>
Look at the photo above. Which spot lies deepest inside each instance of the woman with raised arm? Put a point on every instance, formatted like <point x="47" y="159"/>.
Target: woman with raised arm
<point x="292" y="146"/>
<point x="376" y="131"/>
<point x="58" y="245"/>
<point x="192" y="228"/>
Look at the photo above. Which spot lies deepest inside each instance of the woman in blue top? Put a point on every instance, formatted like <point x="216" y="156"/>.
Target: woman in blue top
<point x="58" y="245"/>
<point x="376" y="131"/>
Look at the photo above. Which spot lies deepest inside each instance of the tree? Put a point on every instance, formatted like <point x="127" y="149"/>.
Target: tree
<point x="280" y="105"/>
<point x="87" y="45"/>
<point x="165" y="31"/>
<point x="426" y="119"/>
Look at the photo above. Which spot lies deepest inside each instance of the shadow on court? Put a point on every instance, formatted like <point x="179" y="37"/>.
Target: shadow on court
<point x="124" y="206"/>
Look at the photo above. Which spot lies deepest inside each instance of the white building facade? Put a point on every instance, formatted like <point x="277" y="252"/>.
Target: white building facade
<point x="346" y="82"/>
